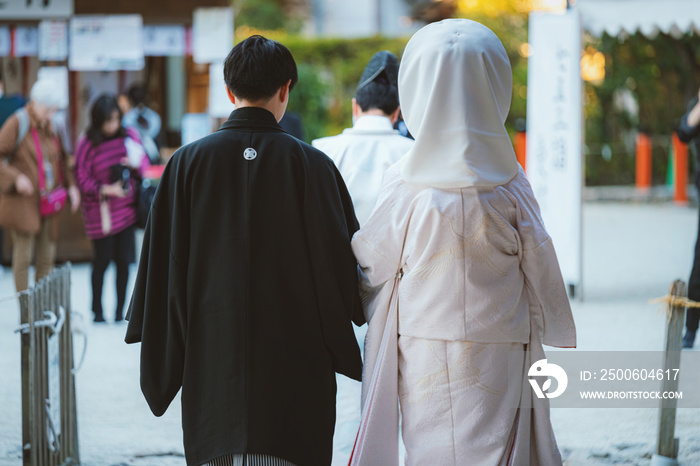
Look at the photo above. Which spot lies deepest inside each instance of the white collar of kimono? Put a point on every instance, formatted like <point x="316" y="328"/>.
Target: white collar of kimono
<point x="455" y="87"/>
<point x="372" y="123"/>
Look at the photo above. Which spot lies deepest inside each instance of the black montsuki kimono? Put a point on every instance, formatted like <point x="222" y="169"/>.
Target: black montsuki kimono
<point x="245" y="293"/>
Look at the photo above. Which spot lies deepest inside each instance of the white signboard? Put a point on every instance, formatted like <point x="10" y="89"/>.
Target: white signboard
<point x="53" y="40"/>
<point x="219" y="104"/>
<point x="212" y="34"/>
<point x="164" y="41"/>
<point x="554" y="134"/>
<point x="106" y="43"/>
<point x="5" y="42"/>
<point x="35" y="9"/>
<point x="26" y="41"/>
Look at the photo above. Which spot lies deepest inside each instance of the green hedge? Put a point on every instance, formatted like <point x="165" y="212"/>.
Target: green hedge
<point x="662" y="73"/>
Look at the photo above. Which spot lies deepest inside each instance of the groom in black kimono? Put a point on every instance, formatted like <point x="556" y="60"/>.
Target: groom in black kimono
<point x="247" y="285"/>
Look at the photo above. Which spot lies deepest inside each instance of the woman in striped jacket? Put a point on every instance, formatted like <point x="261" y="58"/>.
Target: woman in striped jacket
<point x="109" y="160"/>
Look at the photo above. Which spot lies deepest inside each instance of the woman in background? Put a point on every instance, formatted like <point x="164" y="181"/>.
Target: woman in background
<point x="109" y="160"/>
<point x="29" y="141"/>
<point x="461" y="282"/>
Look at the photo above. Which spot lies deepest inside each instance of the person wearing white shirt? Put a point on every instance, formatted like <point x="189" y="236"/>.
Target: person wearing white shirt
<point x="364" y="152"/>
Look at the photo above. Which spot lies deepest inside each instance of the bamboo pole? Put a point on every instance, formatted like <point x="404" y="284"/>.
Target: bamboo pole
<point x="26" y="348"/>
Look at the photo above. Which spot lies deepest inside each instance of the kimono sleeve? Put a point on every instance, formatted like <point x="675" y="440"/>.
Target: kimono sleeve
<point x="687" y="133"/>
<point x="157" y="313"/>
<point x="549" y="302"/>
<point x="329" y="224"/>
<point x="378" y="246"/>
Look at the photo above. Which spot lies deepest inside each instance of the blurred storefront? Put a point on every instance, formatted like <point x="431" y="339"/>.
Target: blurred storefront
<point x="98" y="43"/>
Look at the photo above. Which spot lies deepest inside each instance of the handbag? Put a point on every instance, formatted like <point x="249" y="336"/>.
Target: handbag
<point x="50" y="202"/>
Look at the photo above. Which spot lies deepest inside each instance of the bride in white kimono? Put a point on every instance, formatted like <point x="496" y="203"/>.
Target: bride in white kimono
<point x="460" y="279"/>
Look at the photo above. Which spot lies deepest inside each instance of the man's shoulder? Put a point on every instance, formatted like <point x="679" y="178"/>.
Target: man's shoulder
<point x="329" y="141"/>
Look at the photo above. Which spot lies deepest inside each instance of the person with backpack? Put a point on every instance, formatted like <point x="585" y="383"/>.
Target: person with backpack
<point x="35" y="182"/>
<point x="109" y="165"/>
<point x="144" y="120"/>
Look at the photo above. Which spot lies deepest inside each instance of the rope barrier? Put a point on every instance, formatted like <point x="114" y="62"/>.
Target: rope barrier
<point x="676" y="301"/>
<point x="673" y="302"/>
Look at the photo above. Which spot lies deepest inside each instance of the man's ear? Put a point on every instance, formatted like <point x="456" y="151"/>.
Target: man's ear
<point x="284" y="91"/>
<point x="395" y="115"/>
<point x="355" y="108"/>
<point x="230" y="95"/>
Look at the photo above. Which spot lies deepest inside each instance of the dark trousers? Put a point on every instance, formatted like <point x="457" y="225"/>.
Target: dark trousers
<point x="693" y="314"/>
<point x="119" y="248"/>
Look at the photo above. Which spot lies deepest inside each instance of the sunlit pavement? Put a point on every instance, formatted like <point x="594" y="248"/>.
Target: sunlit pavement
<point x="632" y="253"/>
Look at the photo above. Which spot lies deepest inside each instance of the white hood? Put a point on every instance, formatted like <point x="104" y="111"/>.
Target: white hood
<point x="455" y="86"/>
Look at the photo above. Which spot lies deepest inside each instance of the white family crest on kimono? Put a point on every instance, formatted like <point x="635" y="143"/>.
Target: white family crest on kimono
<point x="458" y="272"/>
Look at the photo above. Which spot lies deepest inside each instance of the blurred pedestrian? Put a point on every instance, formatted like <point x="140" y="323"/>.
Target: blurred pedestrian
<point x="247" y="284"/>
<point x="146" y="121"/>
<point x="109" y="162"/>
<point x="9" y="103"/>
<point x="689" y="132"/>
<point x="364" y="152"/>
<point x="460" y="277"/>
<point x="35" y="182"/>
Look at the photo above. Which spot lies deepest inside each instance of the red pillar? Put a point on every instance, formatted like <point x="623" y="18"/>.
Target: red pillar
<point x="520" y="148"/>
<point x="680" y="169"/>
<point x="643" y="173"/>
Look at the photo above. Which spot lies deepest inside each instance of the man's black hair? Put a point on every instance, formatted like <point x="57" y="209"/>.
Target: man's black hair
<point x="378" y="94"/>
<point x="137" y="94"/>
<point x="257" y="68"/>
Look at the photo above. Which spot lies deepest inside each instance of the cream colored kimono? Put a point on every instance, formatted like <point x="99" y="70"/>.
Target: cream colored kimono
<point x="476" y="278"/>
<point x="460" y="279"/>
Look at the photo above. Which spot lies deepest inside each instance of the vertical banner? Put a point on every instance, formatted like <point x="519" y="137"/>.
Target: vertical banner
<point x="554" y="134"/>
<point x="212" y="34"/>
<point x="53" y="40"/>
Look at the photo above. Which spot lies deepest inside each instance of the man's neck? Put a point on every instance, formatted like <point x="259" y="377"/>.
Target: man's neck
<point x="373" y="112"/>
<point x="267" y="105"/>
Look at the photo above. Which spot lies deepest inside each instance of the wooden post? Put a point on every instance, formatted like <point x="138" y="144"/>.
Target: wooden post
<point x="680" y="171"/>
<point x="668" y="445"/>
<point x="26" y="348"/>
<point x="643" y="162"/>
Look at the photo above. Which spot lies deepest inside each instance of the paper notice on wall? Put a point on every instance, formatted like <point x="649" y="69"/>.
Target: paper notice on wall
<point x="5" y="41"/>
<point x="212" y="34"/>
<point x="26" y="41"/>
<point x="554" y="133"/>
<point x="164" y="41"/>
<point x="106" y="43"/>
<point x="53" y="40"/>
<point x="219" y="104"/>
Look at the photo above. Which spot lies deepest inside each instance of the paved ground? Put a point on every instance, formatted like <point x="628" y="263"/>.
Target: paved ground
<point x="632" y="252"/>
